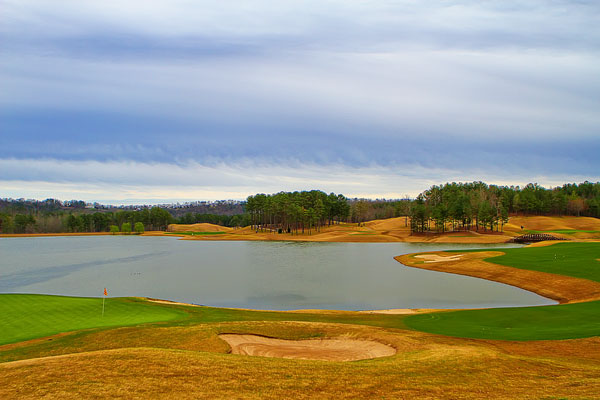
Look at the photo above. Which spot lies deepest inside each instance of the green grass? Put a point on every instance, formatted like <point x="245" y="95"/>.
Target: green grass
<point x="579" y="260"/>
<point x="566" y="321"/>
<point x="25" y="316"/>
<point x="30" y="316"/>
<point x="196" y="233"/>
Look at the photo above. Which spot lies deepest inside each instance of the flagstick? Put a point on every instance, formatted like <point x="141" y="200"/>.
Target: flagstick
<point x="103" y="306"/>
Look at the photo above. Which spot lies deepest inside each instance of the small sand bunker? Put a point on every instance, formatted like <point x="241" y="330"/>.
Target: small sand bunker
<point x="433" y="258"/>
<point x="312" y="349"/>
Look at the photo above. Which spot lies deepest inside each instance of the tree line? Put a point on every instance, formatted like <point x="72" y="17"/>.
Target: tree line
<point x="453" y="206"/>
<point x="232" y="221"/>
<point x="154" y="218"/>
<point x="295" y="212"/>
<point x="476" y="205"/>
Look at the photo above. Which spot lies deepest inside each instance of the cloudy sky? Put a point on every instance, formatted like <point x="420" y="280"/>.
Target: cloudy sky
<point x="156" y="101"/>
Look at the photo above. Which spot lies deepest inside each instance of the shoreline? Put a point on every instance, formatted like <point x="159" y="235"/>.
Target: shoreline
<point x="394" y="311"/>
<point x="391" y="230"/>
<point x="561" y="288"/>
<point x="449" y="238"/>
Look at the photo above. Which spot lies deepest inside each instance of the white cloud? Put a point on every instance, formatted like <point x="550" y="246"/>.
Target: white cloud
<point x="132" y="182"/>
<point x="332" y="82"/>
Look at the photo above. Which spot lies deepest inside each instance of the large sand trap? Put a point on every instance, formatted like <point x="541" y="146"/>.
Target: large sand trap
<point x="313" y="349"/>
<point x="433" y="258"/>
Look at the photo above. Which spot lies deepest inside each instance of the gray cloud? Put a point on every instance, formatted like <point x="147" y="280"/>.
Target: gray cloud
<point x="483" y="88"/>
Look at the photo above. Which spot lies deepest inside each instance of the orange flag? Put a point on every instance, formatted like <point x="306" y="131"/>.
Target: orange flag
<point x="105" y="292"/>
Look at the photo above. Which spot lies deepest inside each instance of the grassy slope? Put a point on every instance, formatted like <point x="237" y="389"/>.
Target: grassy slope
<point x="30" y="316"/>
<point x="49" y="315"/>
<point x="529" y="323"/>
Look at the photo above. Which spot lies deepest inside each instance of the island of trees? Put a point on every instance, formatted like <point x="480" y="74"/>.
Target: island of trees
<point x="448" y="207"/>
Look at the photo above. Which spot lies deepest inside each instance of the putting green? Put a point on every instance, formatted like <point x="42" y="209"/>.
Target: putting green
<point x="566" y="321"/>
<point x="30" y="316"/>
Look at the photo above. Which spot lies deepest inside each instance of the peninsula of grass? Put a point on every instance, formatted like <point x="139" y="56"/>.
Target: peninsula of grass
<point x="567" y="321"/>
<point x="30" y="316"/>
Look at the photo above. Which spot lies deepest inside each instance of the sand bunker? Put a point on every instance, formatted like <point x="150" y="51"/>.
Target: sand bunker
<point x="313" y="349"/>
<point x="433" y="258"/>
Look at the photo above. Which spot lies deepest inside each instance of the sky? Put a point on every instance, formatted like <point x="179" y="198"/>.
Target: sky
<point x="141" y="101"/>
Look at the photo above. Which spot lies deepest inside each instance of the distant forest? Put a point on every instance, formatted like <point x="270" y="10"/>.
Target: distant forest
<point x="453" y="206"/>
<point x="464" y="206"/>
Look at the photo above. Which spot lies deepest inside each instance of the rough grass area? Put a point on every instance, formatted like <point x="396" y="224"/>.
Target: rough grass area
<point x="566" y="321"/>
<point x="30" y="316"/>
<point x="189" y="362"/>
<point x="196" y="233"/>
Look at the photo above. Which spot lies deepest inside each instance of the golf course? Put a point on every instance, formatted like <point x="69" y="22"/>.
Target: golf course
<point x="52" y="345"/>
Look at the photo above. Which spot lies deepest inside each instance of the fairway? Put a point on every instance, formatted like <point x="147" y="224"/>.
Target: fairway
<point x="30" y="316"/>
<point x="579" y="260"/>
<point x="567" y="321"/>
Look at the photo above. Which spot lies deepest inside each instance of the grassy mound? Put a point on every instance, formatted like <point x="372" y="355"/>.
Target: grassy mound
<point x="30" y="316"/>
<point x="566" y="321"/>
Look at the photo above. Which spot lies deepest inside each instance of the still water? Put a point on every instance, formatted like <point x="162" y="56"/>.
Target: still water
<point x="258" y="275"/>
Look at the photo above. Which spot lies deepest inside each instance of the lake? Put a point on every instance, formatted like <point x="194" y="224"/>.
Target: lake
<point x="258" y="275"/>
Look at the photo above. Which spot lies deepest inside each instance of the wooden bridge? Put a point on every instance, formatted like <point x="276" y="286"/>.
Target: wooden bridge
<point x="534" y="237"/>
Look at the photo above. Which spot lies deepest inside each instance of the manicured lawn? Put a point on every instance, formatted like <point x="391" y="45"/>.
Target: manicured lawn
<point x="566" y="321"/>
<point x="29" y="316"/>
<point x="25" y="316"/>
<point x="579" y="260"/>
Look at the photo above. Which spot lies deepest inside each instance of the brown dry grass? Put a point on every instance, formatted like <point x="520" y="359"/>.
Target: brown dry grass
<point x="563" y="289"/>
<point x="386" y="230"/>
<point x="201" y="227"/>
<point x="541" y="223"/>
<point x="191" y="362"/>
<point x="378" y="231"/>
